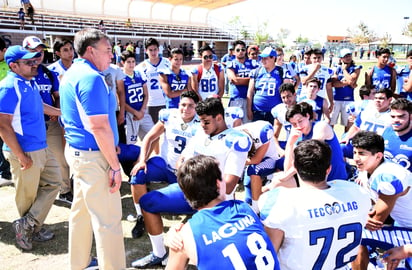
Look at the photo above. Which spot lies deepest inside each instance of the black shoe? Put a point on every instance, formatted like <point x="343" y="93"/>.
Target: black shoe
<point x="138" y="229"/>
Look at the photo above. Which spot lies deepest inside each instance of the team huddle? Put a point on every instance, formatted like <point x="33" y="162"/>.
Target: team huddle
<point x="312" y="200"/>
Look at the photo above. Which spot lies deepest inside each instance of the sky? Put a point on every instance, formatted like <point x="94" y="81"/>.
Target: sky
<point x="314" y="19"/>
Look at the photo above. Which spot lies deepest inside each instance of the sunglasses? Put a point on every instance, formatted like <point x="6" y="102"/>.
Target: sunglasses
<point x="205" y="57"/>
<point x="243" y="50"/>
<point x="29" y="62"/>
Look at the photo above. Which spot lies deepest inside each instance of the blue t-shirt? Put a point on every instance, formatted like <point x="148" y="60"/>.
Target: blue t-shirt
<point x="381" y="77"/>
<point x="133" y="88"/>
<point x="344" y="93"/>
<point x="231" y="236"/>
<point x="338" y="171"/>
<point x="398" y="148"/>
<point x="243" y="71"/>
<point x="84" y="93"/>
<point x="20" y="98"/>
<point x="176" y="82"/>
<point x="266" y="88"/>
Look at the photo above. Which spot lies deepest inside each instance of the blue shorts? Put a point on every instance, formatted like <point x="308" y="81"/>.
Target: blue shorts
<point x="128" y="152"/>
<point x="169" y="199"/>
<point x="156" y="171"/>
<point x="264" y="168"/>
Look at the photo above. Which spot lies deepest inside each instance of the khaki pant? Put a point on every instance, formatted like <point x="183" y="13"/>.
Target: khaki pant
<point x="94" y="210"/>
<point x="36" y="187"/>
<point x="55" y="144"/>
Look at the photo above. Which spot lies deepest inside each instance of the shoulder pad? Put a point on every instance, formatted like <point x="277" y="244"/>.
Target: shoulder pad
<point x="164" y="115"/>
<point x="239" y="141"/>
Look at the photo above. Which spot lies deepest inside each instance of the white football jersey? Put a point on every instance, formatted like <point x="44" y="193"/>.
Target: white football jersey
<point x="177" y="134"/>
<point x="322" y="228"/>
<point x="151" y="74"/>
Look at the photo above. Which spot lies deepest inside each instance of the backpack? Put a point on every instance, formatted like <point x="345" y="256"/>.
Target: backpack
<point x="200" y="71"/>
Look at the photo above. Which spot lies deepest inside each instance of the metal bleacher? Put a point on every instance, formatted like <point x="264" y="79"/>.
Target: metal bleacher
<point x="68" y="25"/>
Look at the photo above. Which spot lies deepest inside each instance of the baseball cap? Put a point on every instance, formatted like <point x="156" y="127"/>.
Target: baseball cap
<point x="32" y="42"/>
<point x="268" y="51"/>
<point x="17" y="52"/>
<point x="344" y="52"/>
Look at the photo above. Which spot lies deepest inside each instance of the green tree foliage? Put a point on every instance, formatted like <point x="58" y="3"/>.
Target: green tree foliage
<point x="407" y="31"/>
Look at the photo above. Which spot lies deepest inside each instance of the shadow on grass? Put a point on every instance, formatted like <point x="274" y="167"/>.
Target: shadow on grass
<point x="57" y="245"/>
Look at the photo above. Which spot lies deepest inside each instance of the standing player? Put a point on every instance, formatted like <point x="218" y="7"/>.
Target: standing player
<point x="150" y="68"/>
<point x="389" y="187"/>
<point x="178" y="127"/>
<point x="230" y="147"/>
<point x="381" y="75"/>
<point x="208" y="78"/>
<point x="248" y="248"/>
<point x="323" y="73"/>
<point x="344" y="80"/>
<point x="263" y="90"/>
<point x="174" y="80"/>
<point x="318" y="225"/>
<point x="138" y="121"/>
<point x="238" y="72"/>
<point x="398" y="137"/>
<point x="405" y="81"/>
<point x="289" y="74"/>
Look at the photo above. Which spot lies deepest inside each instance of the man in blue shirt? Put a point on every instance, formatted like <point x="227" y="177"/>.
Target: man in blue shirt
<point x="89" y="118"/>
<point x="35" y="171"/>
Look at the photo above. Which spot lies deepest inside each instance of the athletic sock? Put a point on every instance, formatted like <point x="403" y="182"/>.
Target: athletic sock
<point x="138" y="209"/>
<point x="255" y="206"/>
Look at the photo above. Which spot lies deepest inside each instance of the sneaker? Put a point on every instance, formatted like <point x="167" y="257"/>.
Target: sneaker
<point x="150" y="260"/>
<point x="24" y="232"/>
<point x="66" y="197"/>
<point x="43" y="235"/>
<point x="138" y="229"/>
<point x="93" y="265"/>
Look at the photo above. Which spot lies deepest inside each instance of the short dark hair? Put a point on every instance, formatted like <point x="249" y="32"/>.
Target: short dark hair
<point x="197" y="178"/>
<point x="127" y="54"/>
<point x="409" y="54"/>
<point x="205" y="48"/>
<point x="210" y="106"/>
<point x="301" y="108"/>
<point x="308" y="52"/>
<point x="315" y="80"/>
<point x="402" y="104"/>
<point x="383" y="51"/>
<point x="312" y="159"/>
<point x="287" y="87"/>
<point x="176" y="51"/>
<point x="2" y="44"/>
<point x="150" y="42"/>
<point x="60" y="43"/>
<point x="239" y="42"/>
<point x="317" y="52"/>
<point x="190" y="94"/>
<point x="369" y="141"/>
<point x="87" y="37"/>
<point x="388" y="92"/>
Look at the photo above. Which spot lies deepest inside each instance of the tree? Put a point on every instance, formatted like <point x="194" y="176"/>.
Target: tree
<point x="282" y="35"/>
<point x="407" y="31"/>
<point x="262" y="35"/>
<point x="361" y="34"/>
